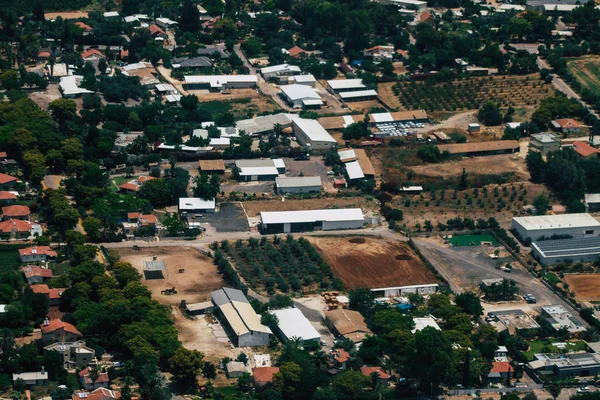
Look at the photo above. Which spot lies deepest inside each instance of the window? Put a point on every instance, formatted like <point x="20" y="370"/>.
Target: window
<point x="589" y="232"/>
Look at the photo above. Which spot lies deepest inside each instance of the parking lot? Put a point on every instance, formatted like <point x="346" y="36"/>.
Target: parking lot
<point x="313" y="167"/>
<point x="400" y="129"/>
<point x="229" y="218"/>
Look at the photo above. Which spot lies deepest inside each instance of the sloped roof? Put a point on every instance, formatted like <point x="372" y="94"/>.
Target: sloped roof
<point x="44" y="289"/>
<point x="584" y="149"/>
<point x="264" y="375"/>
<point x="16" y="211"/>
<point x="4" y="195"/>
<point x="15" y="224"/>
<point x="47" y="250"/>
<point x="6" y="179"/>
<point x="57" y="324"/>
<point x="91" y="52"/>
<point x="367" y="371"/>
<point x="36" y="270"/>
<point x="501" y="367"/>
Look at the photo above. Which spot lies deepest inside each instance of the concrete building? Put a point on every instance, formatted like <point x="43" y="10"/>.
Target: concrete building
<point x="58" y="331"/>
<point x="425" y="322"/>
<point x="69" y="87"/>
<point x="308" y="80"/>
<point x="280" y="70"/>
<point x="345" y="85"/>
<point x="311" y="134"/>
<point x="592" y="202"/>
<point x="218" y="83"/>
<point x="348" y="324"/>
<point x="379" y="53"/>
<point x="309" y="220"/>
<point x="544" y="142"/>
<point x="88" y="384"/>
<point x="576" y="225"/>
<point x="52" y="294"/>
<point x="298" y="185"/>
<point x="550" y="252"/>
<point x="415" y="5"/>
<point x="568" y="365"/>
<point x="512" y="321"/>
<point x="32" y="378"/>
<point x="239" y="318"/>
<point x="421" y="289"/>
<point x="259" y="170"/>
<point x="301" y="96"/>
<point x="566" y="125"/>
<point x="37" y="254"/>
<point x="560" y="318"/>
<point x="293" y="324"/>
<point x="235" y="369"/>
<point x="75" y="354"/>
<point x="196" y="205"/>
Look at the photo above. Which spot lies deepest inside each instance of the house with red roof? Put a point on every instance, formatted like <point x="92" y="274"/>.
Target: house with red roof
<point x="7" y="181"/>
<point x="43" y="55"/>
<point x="7" y="197"/>
<point x="88" y="384"/>
<point x="500" y="371"/>
<point x="15" y="229"/>
<point x="383" y="378"/>
<point x="338" y="359"/>
<point x="380" y="53"/>
<point x="156" y="31"/>
<point x="56" y="330"/>
<point x="99" y="394"/>
<point x="296" y="52"/>
<point x="37" y="254"/>
<point x="82" y="25"/>
<point x="129" y="187"/>
<point x="584" y="150"/>
<point x="263" y="375"/>
<point x="92" y="54"/>
<point x="53" y="294"/>
<point x="16" y="212"/>
<point x="36" y="274"/>
<point x="566" y="125"/>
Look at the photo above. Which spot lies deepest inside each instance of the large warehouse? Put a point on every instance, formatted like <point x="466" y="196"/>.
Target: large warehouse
<point x="575" y="225"/>
<point x="293" y="324"/>
<point x="481" y="148"/>
<point x="309" y="220"/>
<point x="311" y="134"/>
<point x="259" y="169"/>
<point x="549" y="252"/>
<point x="298" y="184"/>
<point x="217" y="83"/>
<point x="239" y="318"/>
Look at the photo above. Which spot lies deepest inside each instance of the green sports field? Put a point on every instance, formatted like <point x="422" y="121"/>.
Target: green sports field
<point x="471" y="240"/>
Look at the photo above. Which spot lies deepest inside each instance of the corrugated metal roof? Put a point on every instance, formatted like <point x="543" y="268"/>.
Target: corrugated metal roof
<point x="298" y="181"/>
<point x="341" y="84"/>
<point x="154" y="265"/>
<point x="233" y="319"/>
<point x="235" y="295"/>
<point x="354" y="170"/>
<point x="250" y="318"/>
<point x="251" y="171"/>
<point x="330" y="215"/>
<point x="359" y="93"/>
<point x="294" y="324"/>
<point x="313" y="130"/>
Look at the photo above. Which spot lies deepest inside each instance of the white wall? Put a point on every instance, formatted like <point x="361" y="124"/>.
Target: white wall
<point x="577" y="232"/>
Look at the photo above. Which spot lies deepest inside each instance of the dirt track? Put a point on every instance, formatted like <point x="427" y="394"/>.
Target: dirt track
<point x="497" y="164"/>
<point x="585" y="286"/>
<point x="372" y="263"/>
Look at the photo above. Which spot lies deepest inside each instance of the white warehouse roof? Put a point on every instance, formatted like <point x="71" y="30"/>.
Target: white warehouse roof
<point x="557" y="221"/>
<point x="70" y="85"/>
<point x="314" y="130"/>
<point x="219" y="80"/>
<point x="293" y="323"/>
<point x="332" y="215"/>
<point x="422" y="323"/>
<point x="299" y="181"/>
<point x="359" y="93"/>
<point x="309" y="78"/>
<point x="280" y="68"/>
<point x="346" y="84"/>
<point x="354" y="170"/>
<point x="299" y="92"/>
<point x="382" y="117"/>
<point x="195" y="203"/>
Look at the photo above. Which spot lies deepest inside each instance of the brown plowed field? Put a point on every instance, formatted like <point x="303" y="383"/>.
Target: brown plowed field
<point x="585" y="286"/>
<point x="372" y="263"/>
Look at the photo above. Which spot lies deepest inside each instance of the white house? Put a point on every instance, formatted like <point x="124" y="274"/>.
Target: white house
<point x="32" y="378"/>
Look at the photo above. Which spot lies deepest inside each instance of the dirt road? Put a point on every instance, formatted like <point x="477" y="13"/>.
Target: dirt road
<point x="460" y="121"/>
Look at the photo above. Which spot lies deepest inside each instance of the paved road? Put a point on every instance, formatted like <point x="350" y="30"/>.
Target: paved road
<point x="460" y="266"/>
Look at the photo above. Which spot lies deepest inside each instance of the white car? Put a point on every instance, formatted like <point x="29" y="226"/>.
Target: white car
<point x="584" y="389"/>
<point x="330" y="173"/>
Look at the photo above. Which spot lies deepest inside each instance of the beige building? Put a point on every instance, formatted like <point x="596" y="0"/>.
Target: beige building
<point x="75" y="354"/>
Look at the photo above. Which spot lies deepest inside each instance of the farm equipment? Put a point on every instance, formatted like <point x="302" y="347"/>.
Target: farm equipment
<point x="169" y="292"/>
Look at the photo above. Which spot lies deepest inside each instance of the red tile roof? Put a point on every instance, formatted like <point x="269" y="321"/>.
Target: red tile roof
<point x="102" y="376"/>
<point x="53" y="294"/>
<point x="148" y="219"/>
<point x="47" y="250"/>
<point x="295" y="51"/>
<point x="36" y="270"/>
<point x="6" y="179"/>
<point x="4" y="195"/>
<point x="145" y="178"/>
<point x="425" y="15"/>
<point x="124" y="53"/>
<point x="16" y="211"/>
<point x="15" y="224"/>
<point x="3" y="154"/>
<point x="83" y="26"/>
<point x="367" y="371"/>
<point x="501" y="367"/>
<point x="340" y="355"/>
<point x="568" y="123"/>
<point x="584" y="149"/>
<point x="43" y="54"/>
<point x="264" y="375"/>
<point x="129" y="186"/>
<point x="98" y="394"/>
<point x="91" y="52"/>
<point x="155" y="30"/>
<point x="57" y="324"/>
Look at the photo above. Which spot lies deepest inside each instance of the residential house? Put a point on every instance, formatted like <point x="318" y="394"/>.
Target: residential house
<point x="32" y="378"/>
<point x="212" y="51"/>
<point x="157" y="32"/>
<point x="74" y="354"/>
<point x="7" y="197"/>
<point x="348" y="323"/>
<point x="128" y="187"/>
<point x="16" y="212"/>
<point x="6" y="181"/>
<point x="544" y="142"/>
<point x="380" y="53"/>
<point x="584" y="150"/>
<point x="98" y="394"/>
<point x="338" y="359"/>
<point x="191" y="64"/>
<point x="566" y="125"/>
<point x="36" y="274"/>
<point x="136" y="221"/>
<point x="263" y="375"/>
<point x="500" y="371"/>
<point x="53" y="294"/>
<point x="92" y="55"/>
<point x="88" y="384"/>
<point x="37" y="254"/>
<point x="15" y="229"/>
<point x="58" y="331"/>
<point x="165" y="23"/>
<point x="296" y="52"/>
<point x="85" y="27"/>
<point x="383" y="378"/>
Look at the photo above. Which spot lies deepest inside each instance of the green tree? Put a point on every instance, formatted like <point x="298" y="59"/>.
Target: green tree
<point x="63" y="110"/>
<point x="10" y="80"/>
<point x="554" y="389"/>
<point x="489" y="114"/>
<point x="429" y="358"/>
<point x="287" y="379"/>
<point x="470" y="304"/>
<point x="93" y="229"/>
<point x="185" y="365"/>
<point x="350" y="385"/>
<point x="541" y="203"/>
<point x="190" y="17"/>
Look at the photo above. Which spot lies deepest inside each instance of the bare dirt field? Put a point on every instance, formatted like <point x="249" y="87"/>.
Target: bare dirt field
<point x="372" y="263"/>
<point x="42" y="99"/>
<point x="498" y="164"/>
<point x="364" y="106"/>
<point x="194" y="285"/>
<point x="253" y="208"/>
<point x="585" y="286"/>
<point x="66" y="15"/>
<point x="384" y="90"/>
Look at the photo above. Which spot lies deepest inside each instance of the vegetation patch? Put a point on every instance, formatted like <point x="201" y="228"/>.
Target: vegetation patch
<point x="587" y="71"/>
<point x="471" y="240"/>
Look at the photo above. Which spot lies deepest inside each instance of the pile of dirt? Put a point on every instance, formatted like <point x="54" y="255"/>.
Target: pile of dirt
<point x="357" y="240"/>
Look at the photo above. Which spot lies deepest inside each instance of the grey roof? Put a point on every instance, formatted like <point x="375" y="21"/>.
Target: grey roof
<point x="265" y="123"/>
<point x="591" y="198"/>
<point x="267" y="162"/>
<point x="568" y="247"/>
<point x="540" y="3"/>
<point x="227" y="295"/>
<point x="298" y="181"/>
<point x="208" y="51"/>
<point x="195" y="62"/>
<point x="154" y="265"/>
<point x="546" y="137"/>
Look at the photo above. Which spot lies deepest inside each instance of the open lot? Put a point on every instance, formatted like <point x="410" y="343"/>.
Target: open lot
<point x="587" y="71"/>
<point x="42" y="99"/>
<point x="229" y="218"/>
<point x="313" y="167"/>
<point x="471" y="240"/>
<point x="254" y="207"/>
<point x="585" y="286"/>
<point x="372" y="263"/>
<point x="194" y="285"/>
<point x="496" y="164"/>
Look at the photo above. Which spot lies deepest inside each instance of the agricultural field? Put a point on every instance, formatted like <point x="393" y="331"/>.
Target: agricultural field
<point x="280" y="265"/>
<point x="587" y="71"/>
<point x="372" y="263"/>
<point x="585" y="286"/>
<point x="469" y="93"/>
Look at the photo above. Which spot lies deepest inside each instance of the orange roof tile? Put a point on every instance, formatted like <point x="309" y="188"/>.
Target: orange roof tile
<point x="264" y="375"/>
<point x="6" y="179"/>
<point x="584" y="149"/>
<point x="47" y="250"/>
<point x="367" y="371"/>
<point x="501" y="367"/>
<point x="15" y="224"/>
<point x="44" y="54"/>
<point x="3" y="154"/>
<point x="4" y="195"/>
<point x="57" y="324"/>
<point x="129" y="186"/>
<point x="102" y="376"/>
<point x="83" y="26"/>
<point x="295" y="51"/>
<point x="16" y="211"/>
<point x="36" y="270"/>
<point x="155" y="30"/>
<point x="98" y="394"/>
<point x="91" y="52"/>
<point x="568" y="123"/>
<point x="340" y="355"/>
<point x="53" y="293"/>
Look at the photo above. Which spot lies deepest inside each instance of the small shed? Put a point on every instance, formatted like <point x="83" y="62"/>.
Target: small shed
<point x="235" y="369"/>
<point x="474" y="128"/>
<point x="155" y="269"/>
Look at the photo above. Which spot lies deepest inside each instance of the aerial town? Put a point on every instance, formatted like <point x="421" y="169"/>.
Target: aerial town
<point x="300" y="200"/>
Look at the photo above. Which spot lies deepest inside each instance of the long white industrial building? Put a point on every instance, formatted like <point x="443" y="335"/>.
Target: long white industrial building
<point x="575" y="225"/>
<point x="309" y="220"/>
<point x="293" y="324"/>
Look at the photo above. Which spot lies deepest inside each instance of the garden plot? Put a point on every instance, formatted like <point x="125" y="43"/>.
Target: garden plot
<point x="585" y="286"/>
<point x="587" y="71"/>
<point x="470" y="93"/>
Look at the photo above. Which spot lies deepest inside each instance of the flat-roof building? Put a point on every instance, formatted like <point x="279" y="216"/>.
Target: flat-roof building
<point x="196" y="205"/>
<point x="592" y="202"/>
<point x="218" y="83"/>
<point x="69" y="86"/>
<point x="265" y="124"/>
<point x="550" y="252"/>
<point x="345" y="85"/>
<point x="575" y="225"/>
<point x="239" y="318"/>
<point x="560" y="318"/>
<point x="280" y="70"/>
<point x="259" y="170"/>
<point x="311" y="134"/>
<point x="298" y="184"/>
<point x="422" y="323"/>
<point x="301" y="96"/>
<point x="293" y="324"/>
<point x="544" y="142"/>
<point x="309" y="220"/>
